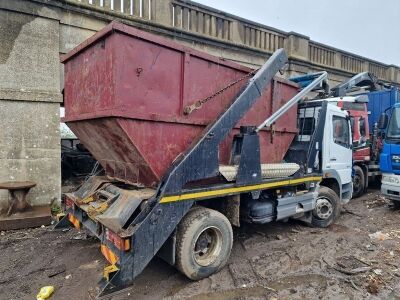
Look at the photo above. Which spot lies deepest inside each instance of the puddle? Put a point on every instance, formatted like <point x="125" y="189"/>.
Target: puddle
<point x="296" y="280"/>
<point x="349" y="262"/>
<point x="257" y="291"/>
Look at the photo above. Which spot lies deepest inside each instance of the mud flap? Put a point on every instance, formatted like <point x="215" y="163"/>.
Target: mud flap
<point x="147" y="239"/>
<point x="113" y="284"/>
<point x="64" y="223"/>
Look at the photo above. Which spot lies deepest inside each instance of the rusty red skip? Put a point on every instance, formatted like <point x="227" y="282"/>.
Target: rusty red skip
<point x="126" y="91"/>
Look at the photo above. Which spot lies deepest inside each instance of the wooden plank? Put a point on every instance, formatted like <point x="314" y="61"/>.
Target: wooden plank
<point x="34" y="217"/>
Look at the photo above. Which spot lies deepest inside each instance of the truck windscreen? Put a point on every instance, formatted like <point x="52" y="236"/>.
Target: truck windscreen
<point x="394" y="125"/>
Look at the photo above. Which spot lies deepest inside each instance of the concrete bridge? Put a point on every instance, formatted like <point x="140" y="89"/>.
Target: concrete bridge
<point x="33" y="34"/>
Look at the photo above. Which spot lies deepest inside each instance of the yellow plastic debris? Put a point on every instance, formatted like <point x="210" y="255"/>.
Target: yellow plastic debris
<point x="45" y="292"/>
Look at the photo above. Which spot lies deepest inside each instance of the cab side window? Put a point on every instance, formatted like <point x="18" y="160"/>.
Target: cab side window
<point x="341" y="131"/>
<point x="362" y="127"/>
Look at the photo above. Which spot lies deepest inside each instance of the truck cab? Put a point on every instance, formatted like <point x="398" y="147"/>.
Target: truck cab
<point x="358" y="113"/>
<point x="366" y="143"/>
<point x="335" y="153"/>
<point x="390" y="156"/>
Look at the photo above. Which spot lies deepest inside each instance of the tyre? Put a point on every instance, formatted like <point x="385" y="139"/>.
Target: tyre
<point x="327" y="208"/>
<point x="203" y="243"/>
<point x="396" y="204"/>
<point x="358" y="182"/>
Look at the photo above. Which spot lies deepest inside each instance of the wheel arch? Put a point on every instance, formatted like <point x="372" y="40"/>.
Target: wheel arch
<point x="364" y="168"/>
<point x="333" y="184"/>
<point x="229" y="206"/>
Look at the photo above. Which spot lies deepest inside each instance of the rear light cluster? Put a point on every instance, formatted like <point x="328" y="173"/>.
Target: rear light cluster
<point x="69" y="203"/>
<point x="120" y="243"/>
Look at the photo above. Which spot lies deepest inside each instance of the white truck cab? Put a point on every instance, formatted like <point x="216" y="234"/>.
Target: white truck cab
<point x="335" y="153"/>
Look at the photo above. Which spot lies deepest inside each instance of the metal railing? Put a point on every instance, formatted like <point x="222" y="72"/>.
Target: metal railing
<point x="321" y="55"/>
<point x="352" y="64"/>
<point x="137" y="8"/>
<point x="378" y="70"/>
<point x="200" y="21"/>
<point x="263" y="39"/>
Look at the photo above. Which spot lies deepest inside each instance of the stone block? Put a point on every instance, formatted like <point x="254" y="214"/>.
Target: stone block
<point x="298" y="46"/>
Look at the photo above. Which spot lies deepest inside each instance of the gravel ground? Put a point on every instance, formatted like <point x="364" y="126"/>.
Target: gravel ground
<point x="356" y="258"/>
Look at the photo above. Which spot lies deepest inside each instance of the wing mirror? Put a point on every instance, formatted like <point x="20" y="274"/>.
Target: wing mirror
<point x="383" y="121"/>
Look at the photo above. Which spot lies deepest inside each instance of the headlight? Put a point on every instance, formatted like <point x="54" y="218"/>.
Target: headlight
<point x="391" y="179"/>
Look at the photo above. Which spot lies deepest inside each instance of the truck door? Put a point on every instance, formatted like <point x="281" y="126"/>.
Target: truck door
<point x="338" y="142"/>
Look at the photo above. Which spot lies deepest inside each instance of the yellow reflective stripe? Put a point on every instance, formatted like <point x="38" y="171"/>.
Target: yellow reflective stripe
<point x="108" y="254"/>
<point x="74" y="221"/>
<point x="248" y="188"/>
<point x="109" y="270"/>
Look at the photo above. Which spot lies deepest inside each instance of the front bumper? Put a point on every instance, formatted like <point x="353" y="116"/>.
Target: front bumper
<point x="391" y="186"/>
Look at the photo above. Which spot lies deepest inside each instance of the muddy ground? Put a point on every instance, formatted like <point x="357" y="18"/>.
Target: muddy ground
<point x="278" y="261"/>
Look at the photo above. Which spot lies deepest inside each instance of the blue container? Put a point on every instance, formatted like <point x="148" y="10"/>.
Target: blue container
<point x="380" y="101"/>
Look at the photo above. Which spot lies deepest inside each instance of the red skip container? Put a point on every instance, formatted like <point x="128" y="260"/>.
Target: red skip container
<point x="126" y="91"/>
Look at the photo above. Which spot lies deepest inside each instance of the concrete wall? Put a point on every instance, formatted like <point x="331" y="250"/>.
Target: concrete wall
<point x="33" y="33"/>
<point x="29" y="104"/>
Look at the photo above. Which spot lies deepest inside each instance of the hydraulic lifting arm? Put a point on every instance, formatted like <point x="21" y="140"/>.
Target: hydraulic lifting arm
<point x="364" y="79"/>
<point x="317" y="80"/>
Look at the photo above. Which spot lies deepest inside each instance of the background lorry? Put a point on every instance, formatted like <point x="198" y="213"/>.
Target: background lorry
<point x="364" y="98"/>
<point x="390" y="156"/>
<point x="181" y="172"/>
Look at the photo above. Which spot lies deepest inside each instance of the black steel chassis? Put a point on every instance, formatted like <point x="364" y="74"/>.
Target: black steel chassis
<point x="147" y="237"/>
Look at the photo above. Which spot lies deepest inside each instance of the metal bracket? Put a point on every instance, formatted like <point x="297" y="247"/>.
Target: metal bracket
<point x="246" y="154"/>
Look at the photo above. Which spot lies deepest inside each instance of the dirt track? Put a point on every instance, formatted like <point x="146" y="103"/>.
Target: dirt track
<point x="278" y="261"/>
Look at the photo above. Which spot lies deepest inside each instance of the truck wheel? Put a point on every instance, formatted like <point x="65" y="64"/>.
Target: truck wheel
<point x="358" y="182"/>
<point x="203" y="243"/>
<point x="396" y="204"/>
<point x="327" y="208"/>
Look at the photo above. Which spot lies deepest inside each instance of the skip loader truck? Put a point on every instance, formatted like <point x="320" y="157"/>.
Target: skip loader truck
<point x="192" y="145"/>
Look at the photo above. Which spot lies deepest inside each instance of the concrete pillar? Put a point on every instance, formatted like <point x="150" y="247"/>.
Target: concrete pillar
<point x="185" y="18"/>
<point x="237" y="32"/>
<point x="146" y="9"/>
<point x="337" y="60"/>
<point x="393" y="73"/>
<point x="365" y="66"/>
<point x="213" y="26"/>
<point x="29" y="104"/>
<point x="200" y="22"/>
<point x="178" y="16"/>
<point x="161" y="12"/>
<point x="298" y="46"/>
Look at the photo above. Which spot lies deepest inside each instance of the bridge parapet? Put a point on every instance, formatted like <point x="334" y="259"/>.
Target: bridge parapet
<point x="200" y="20"/>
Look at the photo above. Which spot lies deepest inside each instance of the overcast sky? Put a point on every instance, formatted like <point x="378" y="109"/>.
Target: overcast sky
<point x="370" y="28"/>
